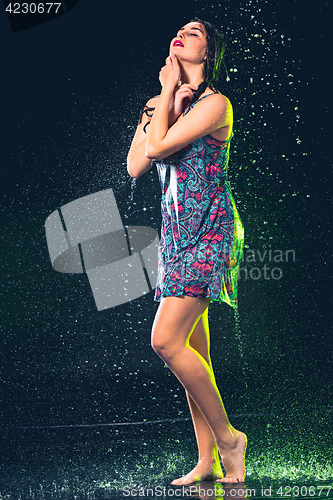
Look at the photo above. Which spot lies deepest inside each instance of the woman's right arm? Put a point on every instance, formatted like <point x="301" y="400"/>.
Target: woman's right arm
<point x="137" y="161"/>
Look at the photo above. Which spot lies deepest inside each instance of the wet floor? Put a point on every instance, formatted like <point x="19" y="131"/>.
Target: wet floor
<point x="289" y="456"/>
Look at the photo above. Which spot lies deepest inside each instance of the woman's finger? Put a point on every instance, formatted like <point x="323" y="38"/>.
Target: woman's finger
<point x="185" y="90"/>
<point x="174" y="60"/>
<point x="189" y="86"/>
<point x="185" y="94"/>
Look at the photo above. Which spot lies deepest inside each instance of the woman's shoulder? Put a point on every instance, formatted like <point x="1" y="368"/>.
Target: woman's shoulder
<point x="148" y="110"/>
<point x="151" y="103"/>
<point x="219" y="98"/>
<point x="216" y="108"/>
<point x="211" y="103"/>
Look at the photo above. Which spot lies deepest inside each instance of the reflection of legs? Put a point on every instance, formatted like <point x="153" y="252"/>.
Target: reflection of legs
<point x="175" y="321"/>
<point x="208" y="466"/>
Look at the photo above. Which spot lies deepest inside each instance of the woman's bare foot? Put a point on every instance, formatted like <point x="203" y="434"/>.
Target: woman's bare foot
<point x="233" y="460"/>
<point x="203" y="471"/>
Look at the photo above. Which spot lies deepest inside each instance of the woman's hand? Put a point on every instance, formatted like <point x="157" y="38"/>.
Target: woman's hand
<point x="170" y="73"/>
<point x="183" y="95"/>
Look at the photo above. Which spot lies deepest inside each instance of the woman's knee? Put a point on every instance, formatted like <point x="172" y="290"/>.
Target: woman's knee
<point x="160" y="348"/>
<point x="164" y="343"/>
<point x="160" y="344"/>
<point x="174" y="322"/>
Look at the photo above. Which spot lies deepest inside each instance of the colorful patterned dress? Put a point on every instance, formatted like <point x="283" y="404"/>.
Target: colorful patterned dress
<point x="201" y="234"/>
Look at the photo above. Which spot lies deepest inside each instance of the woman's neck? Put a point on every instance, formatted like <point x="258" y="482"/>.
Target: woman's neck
<point x="192" y="74"/>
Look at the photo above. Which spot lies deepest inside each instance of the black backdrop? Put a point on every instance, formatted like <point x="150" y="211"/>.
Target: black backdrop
<point x="72" y="90"/>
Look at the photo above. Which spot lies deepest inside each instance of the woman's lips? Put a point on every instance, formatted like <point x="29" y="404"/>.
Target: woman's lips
<point x="178" y="43"/>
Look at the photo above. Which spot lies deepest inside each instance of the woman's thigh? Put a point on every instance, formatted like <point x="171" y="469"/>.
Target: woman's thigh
<point x="175" y="321"/>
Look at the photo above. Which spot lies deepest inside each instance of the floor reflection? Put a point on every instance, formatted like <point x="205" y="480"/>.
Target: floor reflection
<point x="140" y="461"/>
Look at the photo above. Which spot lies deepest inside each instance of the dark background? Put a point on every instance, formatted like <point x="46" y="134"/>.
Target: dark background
<point x="72" y="90"/>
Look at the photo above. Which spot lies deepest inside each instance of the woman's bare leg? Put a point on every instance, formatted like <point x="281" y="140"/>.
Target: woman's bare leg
<point x="175" y="320"/>
<point x="208" y="466"/>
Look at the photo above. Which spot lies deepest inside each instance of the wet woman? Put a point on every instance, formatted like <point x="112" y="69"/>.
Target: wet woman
<point x="186" y="132"/>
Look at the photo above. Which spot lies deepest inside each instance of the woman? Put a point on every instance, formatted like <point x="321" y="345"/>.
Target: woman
<point x="186" y="132"/>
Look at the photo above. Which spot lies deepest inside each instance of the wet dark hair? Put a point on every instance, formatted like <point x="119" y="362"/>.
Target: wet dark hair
<point x="212" y="68"/>
<point x="213" y="63"/>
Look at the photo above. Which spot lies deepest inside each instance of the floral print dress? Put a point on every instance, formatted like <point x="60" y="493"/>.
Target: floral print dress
<point x="201" y="235"/>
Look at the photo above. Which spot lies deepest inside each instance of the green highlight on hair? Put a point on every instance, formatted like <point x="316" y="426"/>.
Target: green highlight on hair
<point x="215" y="54"/>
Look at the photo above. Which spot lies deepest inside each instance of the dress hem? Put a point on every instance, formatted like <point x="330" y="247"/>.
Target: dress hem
<point x="233" y="304"/>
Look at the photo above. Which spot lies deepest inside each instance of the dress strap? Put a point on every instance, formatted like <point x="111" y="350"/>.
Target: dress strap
<point x="204" y="97"/>
<point x="190" y="106"/>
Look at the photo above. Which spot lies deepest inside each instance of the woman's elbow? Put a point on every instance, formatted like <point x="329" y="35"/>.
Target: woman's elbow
<point x="136" y="169"/>
<point x="134" y="173"/>
<point x="153" y="154"/>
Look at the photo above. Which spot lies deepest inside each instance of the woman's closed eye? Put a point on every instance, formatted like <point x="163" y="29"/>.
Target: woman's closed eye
<point x="191" y="33"/>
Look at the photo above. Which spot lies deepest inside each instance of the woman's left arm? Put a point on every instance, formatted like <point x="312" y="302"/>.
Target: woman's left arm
<point x="207" y="116"/>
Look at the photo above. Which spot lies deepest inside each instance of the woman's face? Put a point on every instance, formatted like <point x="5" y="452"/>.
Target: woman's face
<point x="190" y="43"/>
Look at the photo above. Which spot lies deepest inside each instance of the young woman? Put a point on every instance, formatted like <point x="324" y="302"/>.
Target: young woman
<point x="186" y="132"/>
